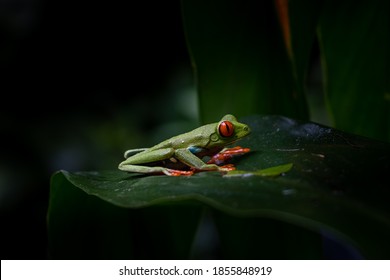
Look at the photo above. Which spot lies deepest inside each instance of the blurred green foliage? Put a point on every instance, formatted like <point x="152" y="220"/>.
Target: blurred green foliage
<point x="255" y="57"/>
<point x="355" y="42"/>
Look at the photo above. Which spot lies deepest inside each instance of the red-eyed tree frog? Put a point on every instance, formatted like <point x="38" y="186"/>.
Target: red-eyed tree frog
<point x="183" y="154"/>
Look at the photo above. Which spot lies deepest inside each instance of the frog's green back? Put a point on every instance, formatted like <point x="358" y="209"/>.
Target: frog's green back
<point x="206" y="136"/>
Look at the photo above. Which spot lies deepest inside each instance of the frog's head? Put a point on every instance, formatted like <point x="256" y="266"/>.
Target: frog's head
<point x="228" y="130"/>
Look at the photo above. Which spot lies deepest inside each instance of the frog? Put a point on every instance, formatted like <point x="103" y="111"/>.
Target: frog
<point x="183" y="155"/>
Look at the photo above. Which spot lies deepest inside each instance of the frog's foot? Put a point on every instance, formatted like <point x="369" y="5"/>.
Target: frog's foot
<point x="228" y="154"/>
<point x="174" y="172"/>
<point x="227" y="167"/>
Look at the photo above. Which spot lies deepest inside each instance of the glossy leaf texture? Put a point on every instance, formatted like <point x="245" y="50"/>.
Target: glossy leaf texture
<point x="338" y="184"/>
<point x="240" y="61"/>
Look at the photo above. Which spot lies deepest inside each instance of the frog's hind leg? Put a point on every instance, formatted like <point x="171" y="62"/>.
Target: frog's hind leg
<point x="153" y="170"/>
<point x="140" y="162"/>
<point x="129" y="153"/>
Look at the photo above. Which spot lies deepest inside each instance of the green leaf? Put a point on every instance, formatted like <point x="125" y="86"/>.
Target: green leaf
<point x="338" y="184"/>
<point x="271" y="171"/>
<point x="303" y="16"/>
<point x="240" y="62"/>
<point x="355" y="43"/>
<point x="84" y="226"/>
<point x="298" y="21"/>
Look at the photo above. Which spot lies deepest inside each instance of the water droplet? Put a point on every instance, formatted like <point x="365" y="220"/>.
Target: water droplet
<point x="288" y="192"/>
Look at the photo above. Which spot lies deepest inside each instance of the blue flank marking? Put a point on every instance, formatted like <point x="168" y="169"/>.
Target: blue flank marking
<point x="195" y="150"/>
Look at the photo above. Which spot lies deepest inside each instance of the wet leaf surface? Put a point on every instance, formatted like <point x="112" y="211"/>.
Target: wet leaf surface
<point x="337" y="183"/>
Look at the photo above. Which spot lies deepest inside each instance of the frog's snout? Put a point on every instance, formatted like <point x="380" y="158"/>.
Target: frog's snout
<point x="244" y="131"/>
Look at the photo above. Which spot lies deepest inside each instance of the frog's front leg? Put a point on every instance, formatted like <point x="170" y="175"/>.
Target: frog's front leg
<point x="188" y="158"/>
<point x="134" y="162"/>
<point x="227" y="154"/>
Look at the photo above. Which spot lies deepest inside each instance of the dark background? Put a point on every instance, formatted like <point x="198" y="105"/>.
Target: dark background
<point x="79" y="81"/>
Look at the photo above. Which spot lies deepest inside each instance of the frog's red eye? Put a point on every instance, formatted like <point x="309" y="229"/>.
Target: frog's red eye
<point x="226" y="129"/>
